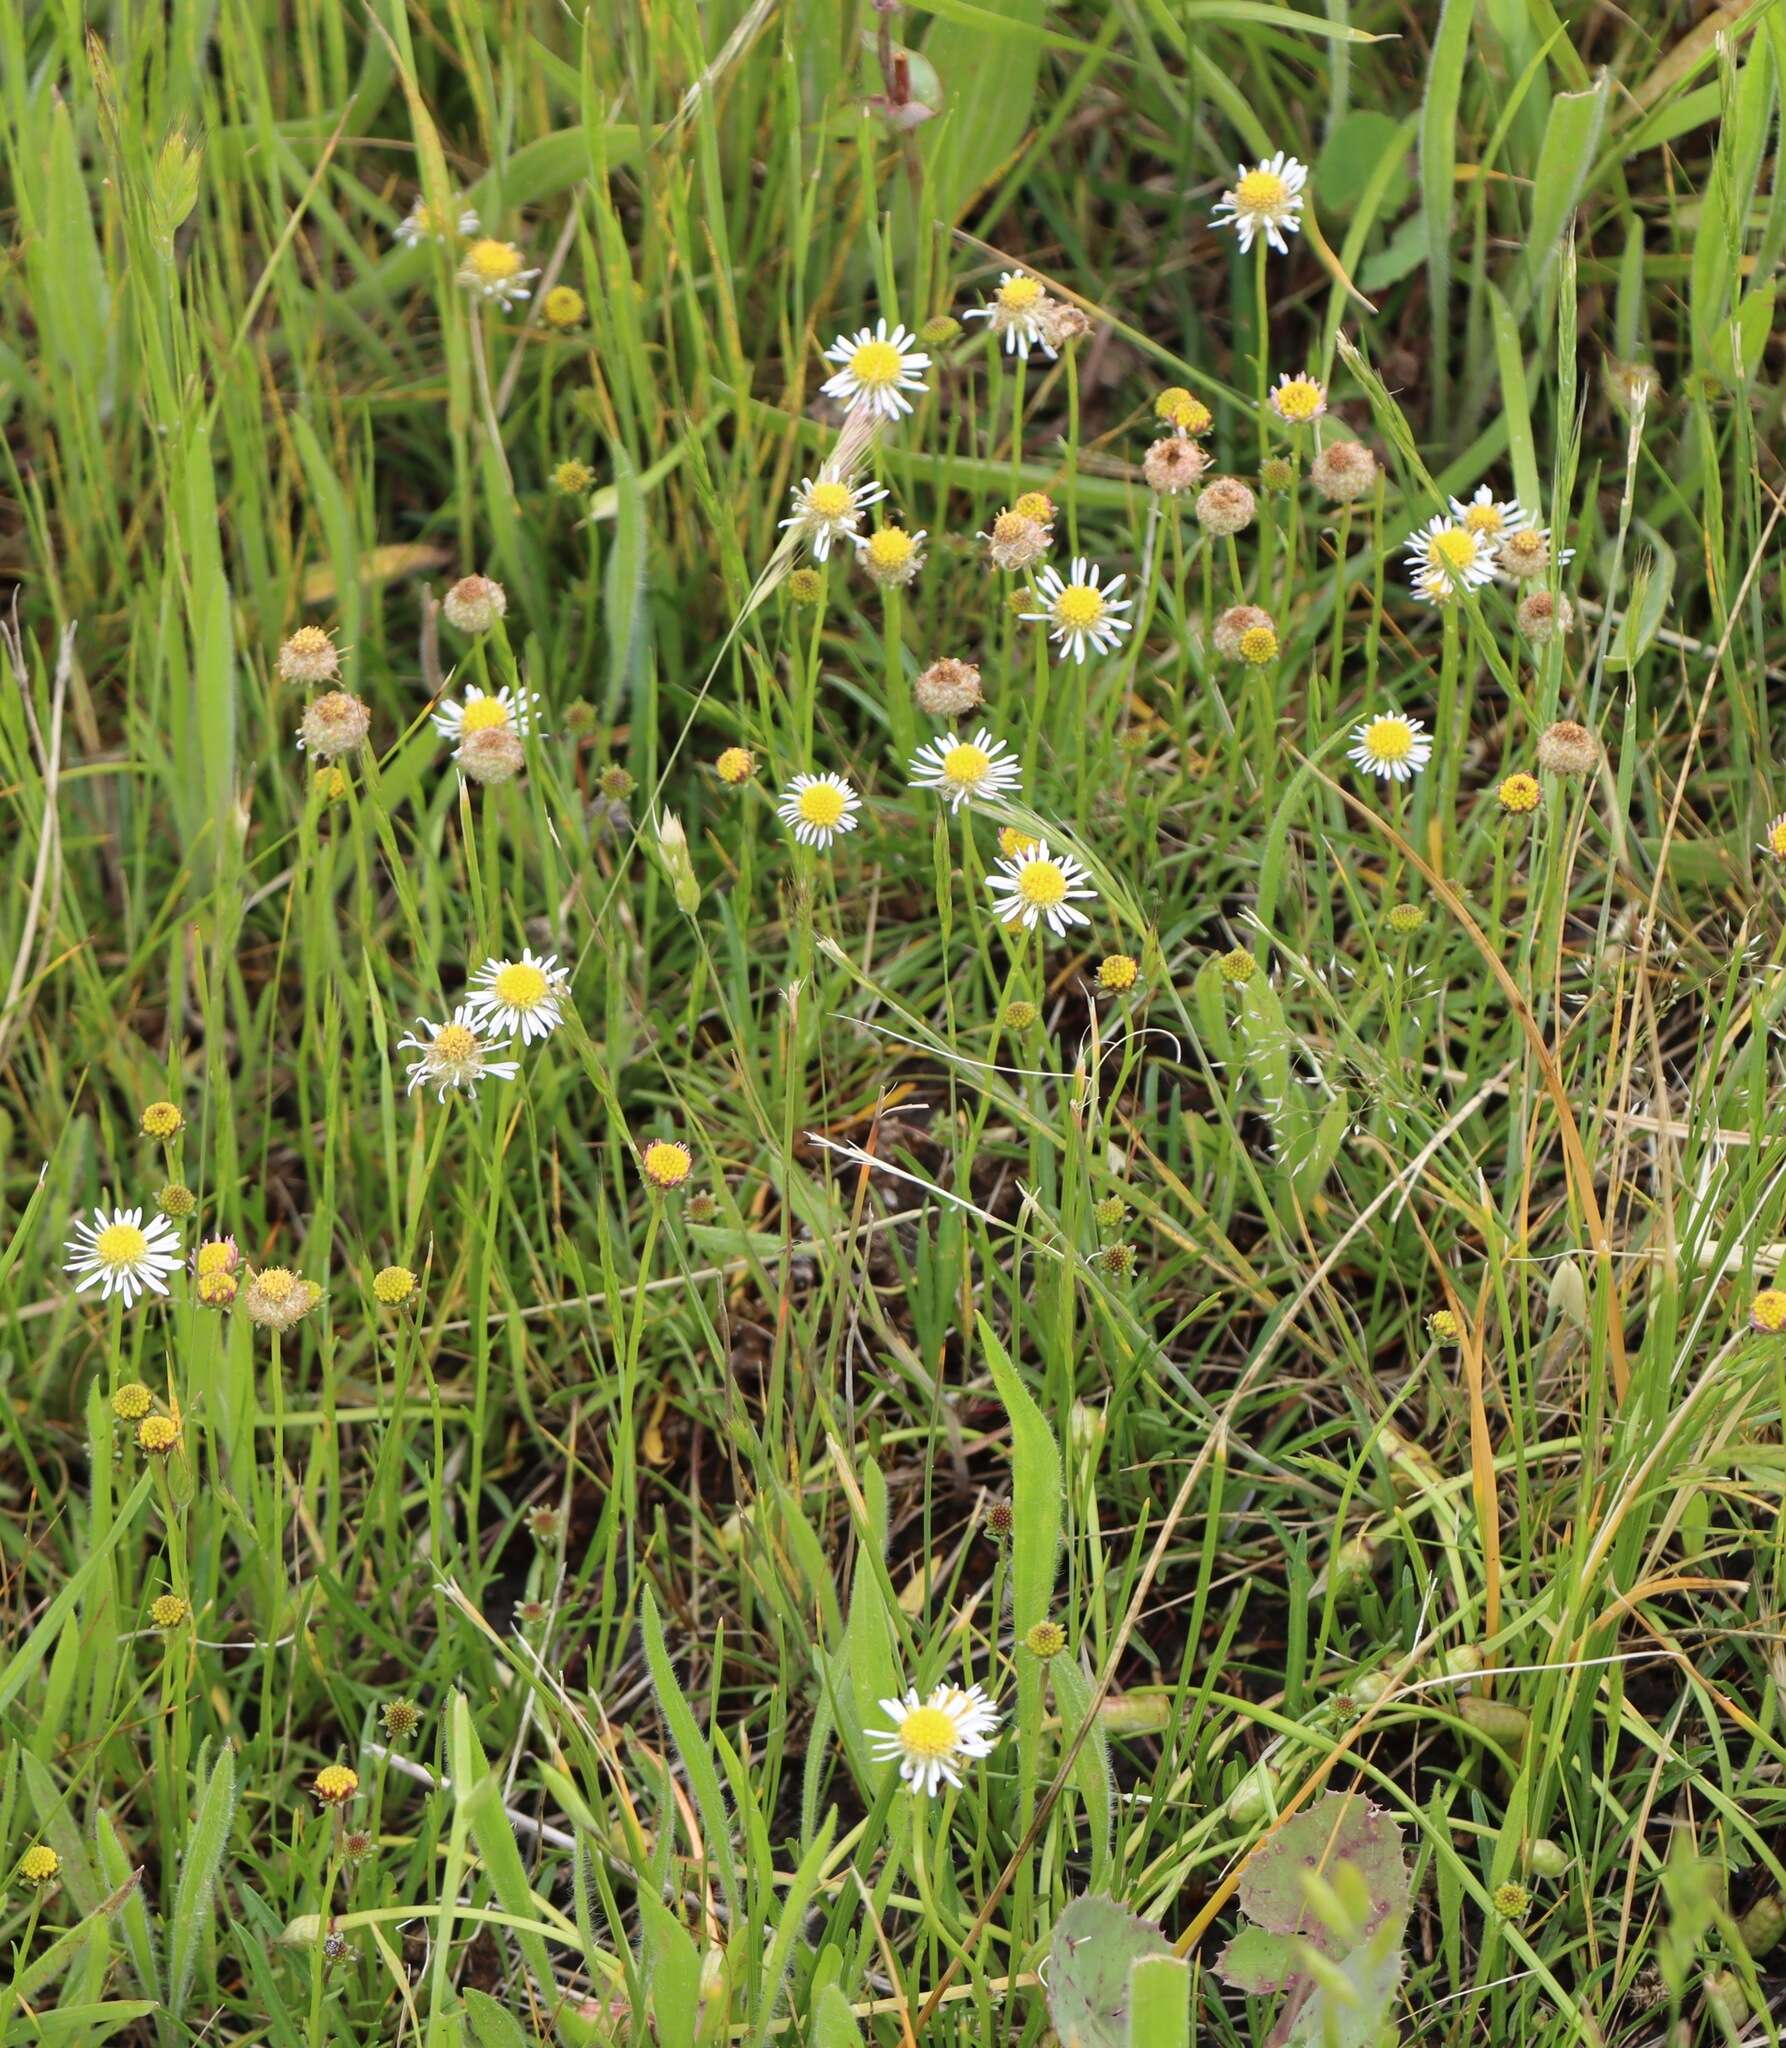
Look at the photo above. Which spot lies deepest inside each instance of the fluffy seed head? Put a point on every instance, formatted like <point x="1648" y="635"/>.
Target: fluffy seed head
<point x="1173" y="464"/>
<point x="475" y="603"/>
<point x="1233" y="625"/>
<point x="1542" y="617"/>
<point x="492" y="756"/>
<point x="1525" y="554"/>
<point x="276" y="1298"/>
<point x="334" y="724"/>
<point x="308" y="656"/>
<point x="1226" y="506"/>
<point x="1014" y="542"/>
<point x="1567" y="748"/>
<point x="1062" y="323"/>
<point x="948" y="688"/>
<point x="1343" y="472"/>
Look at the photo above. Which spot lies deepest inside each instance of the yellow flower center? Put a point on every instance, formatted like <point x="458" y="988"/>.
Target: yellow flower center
<point x="120" y="1245"/>
<point x="1261" y="192"/>
<point x="965" y="764"/>
<point x="891" y="548"/>
<point x="277" y="1283"/>
<point x="493" y="262"/>
<point x="1300" y="399"/>
<point x="822" y="805"/>
<point x="1769" y="1309"/>
<point x="454" y="1044"/>
<point x="667" y="1164"/>
<point x="1525" y="545"/>
<point x="1453" y="548"/>
<point x="1009" y="526"/>
<point x="1258" y="645"/>
<point x="1042" y="884"/>
<point x="484" y="714"/>
<point x="1776" y="838"/>
<point x="928" y="1733"/>
<point x="1388" y="739"/>
<point x="829" y="501"/>
<point x="1036" y="505"/>
<point x="1077" y="607"/>
<point x="735" y="764"/>
<point x="1019" y="294"/>
<point x="520" y="986"/>
<point x="1482" y="519"/>
<point x="875" y="363"/>
<point x="1011" y="842"/>
<point x="1519" y="793"/>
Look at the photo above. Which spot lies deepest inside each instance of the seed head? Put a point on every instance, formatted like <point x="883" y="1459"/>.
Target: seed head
<point x="276" y="1297"/>
<point x="948" y="689"/>
<point x="1406" y="918"/>
<point x="1226" y="506"/>
<point x="544" y="1524"/>
<point x="563" y="307"/>
<point x="168" y="1611"/>
<point x="1542" y="617"/>
<point x="1237" y="968"/>
<point x="571" y="478"/>
<point x="1525" y="554"/>
<point x="1116" y="972"/>
<point x="999" y="1519"/>
<point x="1014" y="542"/>
<point x="805" y="586"/>
<point x="1444" y="1326"/>
<point x="1343" y="472"/>
<point x="474" y="604"/>
<point x="393" y="1285"/>
<point x="357" y="1844"/>
<point x="334" y="724"/>
<point x="1045" y="1639"/>
<point x="132" y="1401"/>
<point x="309" y="656"/>
<point x="1062" y="323"/>
<point x="1018" y="1016"/>
<point x="157" y="1435"/>
<point x="494" y="755"/>
<point x="1568" y="749"/>
<point x="1512" y="1901"/>
<point x="162" y="1120"/>
<point x="938" y="329"/>
<point x="176" y="1199"/>
<point x="1173" y="464"/>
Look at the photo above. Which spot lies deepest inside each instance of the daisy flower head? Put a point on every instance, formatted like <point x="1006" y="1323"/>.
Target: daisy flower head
<point x="1300" y="400"/>
<point x="508" y="711"/>
<point x="333" y="724"/>
<point x="1018" y="313"/>
<point x="1037" y="886"/>
<point x="475" y="603"/>
<point x="828" y="508"/>
<point x="959" y="770"/>
<point x="891" y="555"/>
<point x="1541" y="617"/>
<point x="494" y="270"/>
<point x="1389" y="745"/>
<point x="1343" y="472"/>
<point x="932" y="1737"/>
<point x="1525" y="554"/>
<point x="1225" y="505"/>
<point x="121" y="1254"/>
<point x="1183" y="411"/>
<point x="666" y="1164"/>
<point x="276" y="1297"/>
<point x="1079" y="612"/>
<point x="876" y="368"/>
<point x="1015" y="540"/>
<point x="1446" y="557"/>
<point x="455" y="1055"/>
<point x="1774" y="845"/>
<point x="735" y="766"/>
<point x="1488" y="517"/>
<point x="423" y="224"/>
<point x="522" y="998"/>
<point x="308" y="656"/>
<point x="1264" y="200"/>
<point x="1173" y="463"/>
<point x="816" y="808"/>
<point x="948" y="688"/>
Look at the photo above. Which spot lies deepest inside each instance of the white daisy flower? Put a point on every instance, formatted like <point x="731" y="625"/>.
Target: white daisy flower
<point x="1446" y="557"/>
<point x="1300" y="400"/>
<point x="524" y="998"/>
<point x="420" y="225"/>
<point x="1017" y="312"/>
<point x="493" y="270"/>
<point x="1078" y="613"/>
<point x="120" y="1254"/>
<point x="1389" y="745"/>
<point x="1039" y="885"/>
<point x="507" y="711"/>
<point x="877" y="369"/>
<point x="455" y="1055"/>
<point x="816" y="808"/>
<point x="1488" y="517"/>
<point x="932" y="1738"/>
<point x="828" y="508"/>
<point x="960" y="769"/>
<point x="1265" y="200"/>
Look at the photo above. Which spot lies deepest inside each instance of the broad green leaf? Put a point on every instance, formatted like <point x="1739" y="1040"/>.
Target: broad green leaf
<point x="833" y="2024"/>
<point x="492" y="2025"/>
<point x="1095" y="1946"/>
<point x="1035" y="1489"/>
<point x="1565" y="158"/>
<point x="673" y="1971"/>
<point x="198" y="1878"/>
<point x="988" y="80"/>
